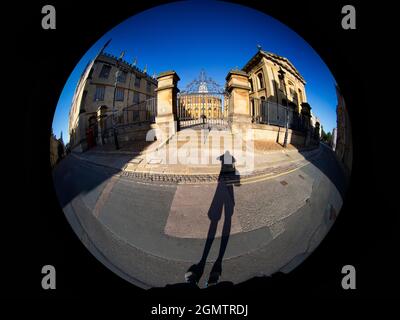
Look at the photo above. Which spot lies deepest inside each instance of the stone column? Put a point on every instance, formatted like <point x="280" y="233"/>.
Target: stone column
<point x="238" y="87"/>
<point x="167" y="91"/>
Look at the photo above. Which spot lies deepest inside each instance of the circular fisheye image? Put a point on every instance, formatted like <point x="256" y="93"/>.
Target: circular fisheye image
<point x="200" y="143"/>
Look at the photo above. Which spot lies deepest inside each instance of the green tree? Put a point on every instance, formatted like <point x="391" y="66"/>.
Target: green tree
<point x="329" y="138"/>
<point x="326" y="137"/>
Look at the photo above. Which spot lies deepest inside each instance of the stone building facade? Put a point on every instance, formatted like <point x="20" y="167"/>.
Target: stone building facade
<point x="273" y="95"/>
<point x="95" y="92"/>
<point x="274" y="78"/>
<point x="316" y="123"/>
<point x="201" y="97"/>
<point x="195" y="105"/>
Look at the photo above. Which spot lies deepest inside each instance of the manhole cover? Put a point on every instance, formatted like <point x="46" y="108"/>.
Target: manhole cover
<point x="284" y="183"/>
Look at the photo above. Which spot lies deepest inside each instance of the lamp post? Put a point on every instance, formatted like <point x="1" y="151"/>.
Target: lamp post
<point x="282" y="77"/>
<point x="117" y="75"/>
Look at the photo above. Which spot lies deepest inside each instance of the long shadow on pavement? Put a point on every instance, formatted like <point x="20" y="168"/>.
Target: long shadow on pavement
<point x="223" y="200"/>
<point x="73" y="177"/>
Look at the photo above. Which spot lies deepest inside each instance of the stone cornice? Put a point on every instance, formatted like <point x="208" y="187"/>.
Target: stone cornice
<point x="237" y="86"/>
<point x="168" y="73"/>
<point x="171" y="86"/>
<point x="281" y="61"/>
<point x="236" y="72"/>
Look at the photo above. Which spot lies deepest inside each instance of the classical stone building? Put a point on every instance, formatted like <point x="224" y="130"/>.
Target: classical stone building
<point x="96" y="91"/>
<point x="274" y="78"/>
<point x="269" y="94"/>
<point x="195" y="105"/>
<point x="344" y="145"/>
<point x="202" y="97"/>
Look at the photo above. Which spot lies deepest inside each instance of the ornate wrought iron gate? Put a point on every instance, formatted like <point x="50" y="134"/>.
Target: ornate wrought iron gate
<point x="203" y="103"/>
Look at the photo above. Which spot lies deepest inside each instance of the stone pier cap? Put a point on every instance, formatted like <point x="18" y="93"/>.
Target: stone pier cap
<point x="167" y="80"/>
<point x="237" y="79"/>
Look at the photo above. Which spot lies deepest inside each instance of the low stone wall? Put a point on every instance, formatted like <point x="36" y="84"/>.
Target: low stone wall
<point x="137" y="133"/>
<point x="277" y="134"/>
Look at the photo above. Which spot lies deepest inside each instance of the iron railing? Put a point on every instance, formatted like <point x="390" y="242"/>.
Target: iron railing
<point x="140" y="112"/>
<point x="131" y="116"/>
<point x="272" y="113"/>
<point x="197" y="112"/>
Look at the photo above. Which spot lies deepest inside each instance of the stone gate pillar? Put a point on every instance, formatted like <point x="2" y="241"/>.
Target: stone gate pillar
<point x="238" y="87"/>
<point x="167" y="91"/>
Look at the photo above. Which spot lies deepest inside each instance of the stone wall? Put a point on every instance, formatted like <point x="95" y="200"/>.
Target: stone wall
<point x="277" y="134"/>
<point x="344" y="143"/>
<point x="134" y="133"/>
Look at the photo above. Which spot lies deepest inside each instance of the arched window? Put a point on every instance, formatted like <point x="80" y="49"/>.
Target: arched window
<point x="260" y="80"/>
<point x="251" y="85"/>
<point x="262" y="100"/>
<point x="300" y="96"/>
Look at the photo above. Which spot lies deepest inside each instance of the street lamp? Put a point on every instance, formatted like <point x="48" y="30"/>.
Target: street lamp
<point x="117" y="75"/>
<point x="282" y="77"/>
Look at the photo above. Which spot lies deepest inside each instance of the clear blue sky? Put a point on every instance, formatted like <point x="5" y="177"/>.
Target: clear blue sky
<point x="216" y="36"/>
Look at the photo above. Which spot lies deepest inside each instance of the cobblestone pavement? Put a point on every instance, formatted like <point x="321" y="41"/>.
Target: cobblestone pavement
<point x="148" y="170"/>
<point x="211" y="178"/>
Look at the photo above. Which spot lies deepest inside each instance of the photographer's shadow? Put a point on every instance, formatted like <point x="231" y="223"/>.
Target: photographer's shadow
<point x="223" y="200"/>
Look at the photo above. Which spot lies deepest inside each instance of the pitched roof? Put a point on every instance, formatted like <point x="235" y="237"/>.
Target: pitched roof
<point x="283" y="62"/>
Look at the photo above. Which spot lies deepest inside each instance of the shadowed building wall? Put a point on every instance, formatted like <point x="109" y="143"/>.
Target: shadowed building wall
<point x="344" y="145"/>
<point x="95" y="89"/>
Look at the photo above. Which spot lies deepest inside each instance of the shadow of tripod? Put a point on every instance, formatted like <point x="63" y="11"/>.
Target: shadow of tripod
<point x="223" y="200"/>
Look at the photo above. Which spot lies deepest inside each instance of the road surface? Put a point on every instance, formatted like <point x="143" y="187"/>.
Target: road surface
<point x="151" y="233"/>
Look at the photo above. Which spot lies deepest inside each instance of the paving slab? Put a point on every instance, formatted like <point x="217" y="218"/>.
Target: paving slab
<point x="190" y="210"/>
